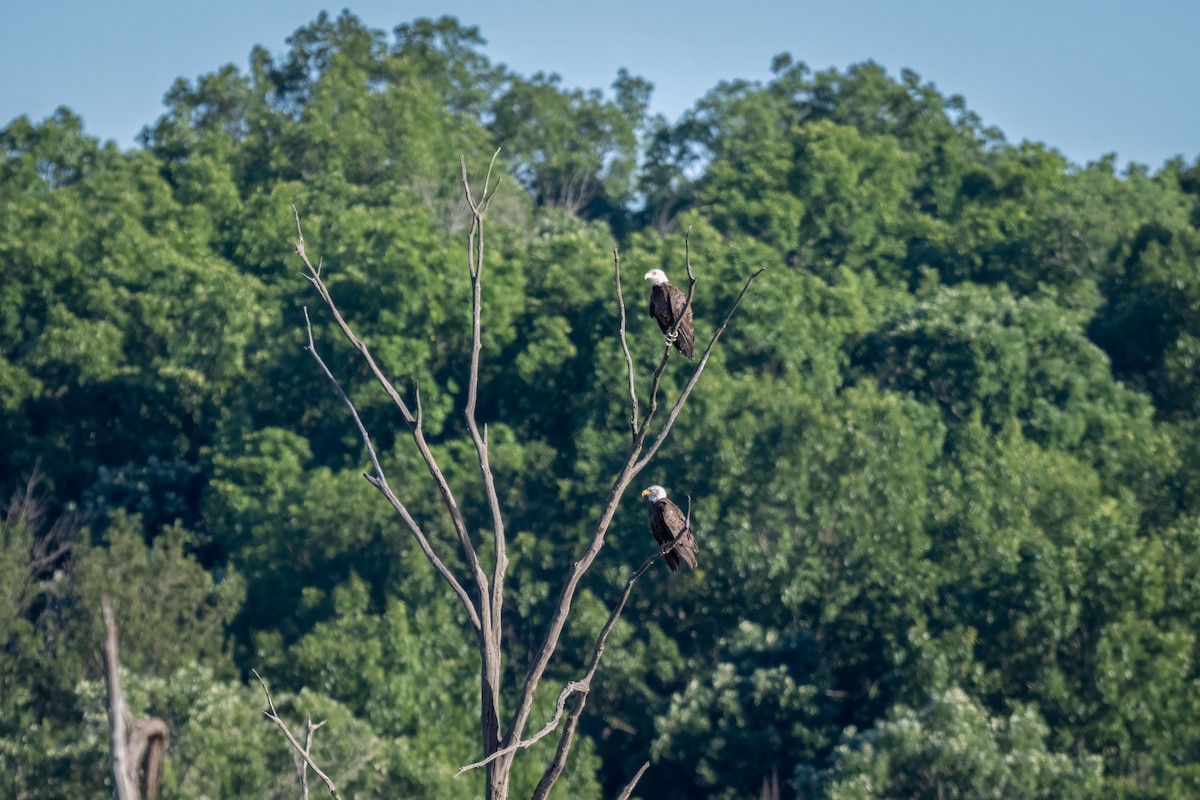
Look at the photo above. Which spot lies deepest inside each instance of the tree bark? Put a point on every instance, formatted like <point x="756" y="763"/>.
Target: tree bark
<point x="134" y="746"/>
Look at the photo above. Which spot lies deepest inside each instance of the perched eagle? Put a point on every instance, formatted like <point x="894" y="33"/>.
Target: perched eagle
<point x="666" y="302"/>
<point x="666" y="522"/>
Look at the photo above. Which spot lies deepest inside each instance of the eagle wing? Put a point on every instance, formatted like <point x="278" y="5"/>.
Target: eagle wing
<point x="660" y="308"/>
<point x="686" y="343"/>
<point x="666" y="521"/>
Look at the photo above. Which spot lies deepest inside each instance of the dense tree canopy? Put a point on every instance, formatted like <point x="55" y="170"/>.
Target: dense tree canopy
<point x="945" y="475"/>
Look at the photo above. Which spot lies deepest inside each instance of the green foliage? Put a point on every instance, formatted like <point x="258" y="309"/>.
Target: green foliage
<point x="944" y="467"/>
<point x="952" y="748"/>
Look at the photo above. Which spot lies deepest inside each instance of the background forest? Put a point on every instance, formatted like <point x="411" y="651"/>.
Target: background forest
<point x="945" y="467"/>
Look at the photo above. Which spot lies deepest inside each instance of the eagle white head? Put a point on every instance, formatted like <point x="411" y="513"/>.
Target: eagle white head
<point x="655" y="492"/>
<point x="658" y="278"/>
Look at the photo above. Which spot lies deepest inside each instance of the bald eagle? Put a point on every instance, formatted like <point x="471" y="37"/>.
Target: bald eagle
<point x="666" y="522"/>
<point x="666" y="302"/>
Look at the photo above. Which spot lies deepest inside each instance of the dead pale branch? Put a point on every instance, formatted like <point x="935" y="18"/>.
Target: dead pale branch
<point x="490" y="645"/>
<point x="629" y="787"/>
<point x="633" y="398"/>
<point x="559" y="706"/>
<point x="302" y="750"/>
<point x="133" y="746"/>
<point x="480" y="620"/>
<point x="310" y="728"/>
<point x="484" y="609"/>
<point x="379" y="481"/>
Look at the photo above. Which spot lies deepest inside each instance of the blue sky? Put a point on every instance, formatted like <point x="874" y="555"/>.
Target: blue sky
<point x="1085" y="77"/>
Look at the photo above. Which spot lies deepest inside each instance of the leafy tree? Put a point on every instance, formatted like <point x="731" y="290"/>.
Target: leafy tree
<point x="952" y="748"/>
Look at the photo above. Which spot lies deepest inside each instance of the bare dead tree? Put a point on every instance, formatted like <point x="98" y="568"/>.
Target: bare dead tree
<point x="310" y="728"/>
<point x="481" y="597"/>
<point x="136" y="747"/>
<point x="26" y="521"/>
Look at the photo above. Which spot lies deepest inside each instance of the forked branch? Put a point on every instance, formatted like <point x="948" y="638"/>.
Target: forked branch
<point x="273" y="715"/>
<point x="479" y="614"/>
<point x="475" y="262"/>
<point x="379" y="481"/>
<point x="310" y="728"/>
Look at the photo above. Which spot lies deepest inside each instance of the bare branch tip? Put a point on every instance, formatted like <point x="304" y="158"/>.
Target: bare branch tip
<point x="299" y="232"/>
<point x="629" y="787"/>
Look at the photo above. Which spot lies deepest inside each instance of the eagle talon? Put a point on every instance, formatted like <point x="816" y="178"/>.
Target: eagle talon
<point x="671" y="337"/>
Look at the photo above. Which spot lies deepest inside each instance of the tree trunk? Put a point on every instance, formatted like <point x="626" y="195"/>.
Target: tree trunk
<point x="131" y="743"/>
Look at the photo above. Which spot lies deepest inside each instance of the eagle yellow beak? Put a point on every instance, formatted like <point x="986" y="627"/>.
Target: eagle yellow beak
<point x="645" y="492"/>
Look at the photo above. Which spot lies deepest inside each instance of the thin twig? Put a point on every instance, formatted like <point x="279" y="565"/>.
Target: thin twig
<point x="633" y="400"/>
<point x="559" y="706"/>
<point x="628" y="790"/>
<point x="273" y="715"/>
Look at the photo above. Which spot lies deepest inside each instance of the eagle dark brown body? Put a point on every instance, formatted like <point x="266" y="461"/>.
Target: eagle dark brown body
<point x="666" y="523"/>
<point x="666" y="304"/>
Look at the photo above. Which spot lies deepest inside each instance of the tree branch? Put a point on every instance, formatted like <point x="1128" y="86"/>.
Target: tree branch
<point x="481" y="618"/>
<point x="559" y="706"/>
<point x="273" y="715"/>
<point x="309" y="730"/>
<point x="475" y="264"/>
<point x="656" y="379"/>
<point x="124" y="783"/>
<point x="490" y="654"/>
<point x="379" y="481"/>
<point x="132" y="744"/>
<point x="628" y="790"/>
<point x="633" y="400"/>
